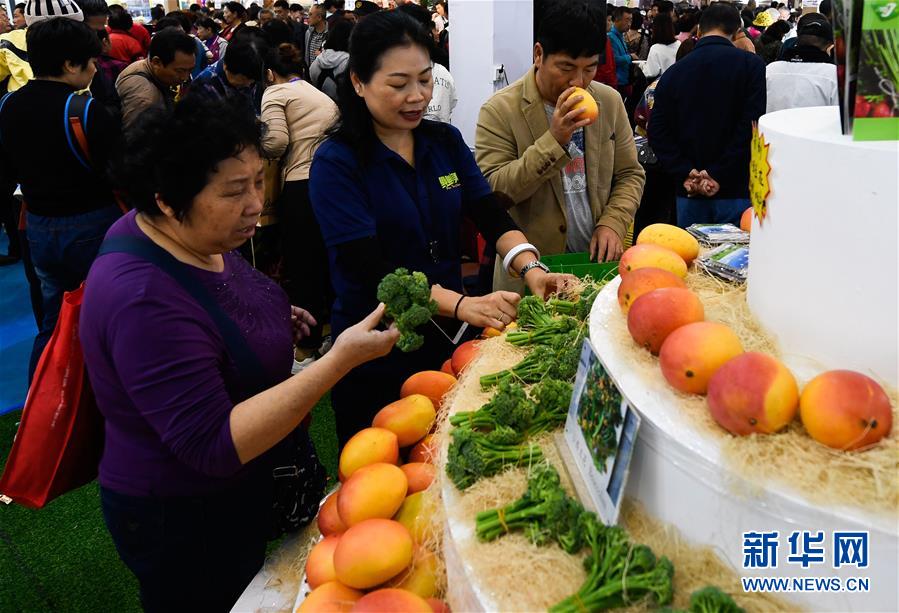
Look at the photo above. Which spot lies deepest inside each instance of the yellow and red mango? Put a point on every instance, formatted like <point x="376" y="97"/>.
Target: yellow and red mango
<point x="421" y="577"/>
<point x="320" y="562"/>
<point x="417" y="515"/>
<point x="845" y="410"/>
<point x="642" y="281"/>
<point x="464" y="354"/>
<point x="671" y="237"/>
<point x="753" y="393"/>
<point x="331" y="597"/>
<point x="447" y="366"/>
<point x="420" y="475"/>
<point x="658" y="313"/>
<point x="425" y="450"/>
<point x="431" y="383"/>
<point x="391" y="600"/>
<point x="368" y="446"/>
<point x="329" y="522"/>
<point x="376" y="490"/>
<point x="410" y="418"/>
<point x="438" y="606"/>
<point x="651" y="256"/>
<point x="372" y="552"/>
<point x="587" y="102"/>
<point x="746" y="220"/>
<point x="693" y="353"/>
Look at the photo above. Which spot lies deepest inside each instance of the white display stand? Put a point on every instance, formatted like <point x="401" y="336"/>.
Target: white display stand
<point x="679" y="476"/>
<point x="824" y="263"/>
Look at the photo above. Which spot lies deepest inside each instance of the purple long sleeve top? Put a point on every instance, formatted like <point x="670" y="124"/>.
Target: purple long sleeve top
<point x="161" y="374"/>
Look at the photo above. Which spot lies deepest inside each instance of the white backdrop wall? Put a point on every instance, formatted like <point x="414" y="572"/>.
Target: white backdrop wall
<point x="486" y="34"/>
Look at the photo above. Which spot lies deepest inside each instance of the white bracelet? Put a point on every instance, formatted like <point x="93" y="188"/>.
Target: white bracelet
<point x="515" y="252"/>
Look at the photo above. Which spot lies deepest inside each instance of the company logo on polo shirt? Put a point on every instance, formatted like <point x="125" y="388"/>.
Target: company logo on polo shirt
<point x="450" y="181"/>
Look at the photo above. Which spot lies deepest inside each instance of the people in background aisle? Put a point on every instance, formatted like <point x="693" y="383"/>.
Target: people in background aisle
<point x="686" y="24"/>
<point x="156" y="13"/>
<point x="330" y="66"/>
<point x="108" y="70"/>
<point x="208" y="32"/>
<point x="68" y="215"/>
<point x="316" y="35"/>
<point x="441" y="15"/>
<point x="575" y="181"/>
<point x="334" y="10"/>
<point x="621" y="23"/>
<point x="296" y="116"/>
<point x="807" y="76"/>
<point x="18" y="16"/>
<point x="265" y="16"/>
<point x="149" y="84"/>
<point x="15" y="71"/>
<point x="298" y="28"/>
<point x="238" y="75"/>
<point x="769" y="43"/>
<point x="123" y="46"/>
<point x="96" y="13"/>
<point x="186" y="472"/>
<point x="606" y="71"/>
<point x="298" y="13"/>
<point x="664" y="47"/>
<point x="443" y="96"/>
<point x="708" y="153"/>
<point x="390" y="189"/>
<point x="181" y="20"/>
<point x="234" y="14"/>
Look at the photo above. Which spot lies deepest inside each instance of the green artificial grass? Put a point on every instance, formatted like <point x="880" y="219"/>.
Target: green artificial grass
<point x="61" y="558"/>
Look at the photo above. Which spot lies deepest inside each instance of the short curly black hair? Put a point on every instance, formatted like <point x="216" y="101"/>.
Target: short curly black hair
<point x="161" y="151"/>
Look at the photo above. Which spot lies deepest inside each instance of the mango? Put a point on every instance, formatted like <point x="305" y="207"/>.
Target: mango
<point x="320" y="562"/>
<point x="329" y="522"/>
<point x="416" y="515"/>
<point x="693" y="353"/>
<point x="746" y="220"/>
<point x="410" y="418"/>
<point x="658" y="313"/>
<point x="642" y="281"/>
<point x="331" y="597"/>
<point x="425" y="450"/>
<point x="591" y="109"/>
<point x="368" y="446"/>
<point x="431" y="383"/>
<point x="421" y="577"/>
<point x="447" y="366"/>
<point x="753" y="393"/>
<point x="438" y="606"/>
<point x="671" y="237"/>
<point x="372" y="552"/>
<point x="420" y="475"/>
<point x="376" y="490"/>
<point x="651" y="256"/>
<point x="464" y="354"/>
<point x="391" y="600"/>
<point x="845" y="410"/>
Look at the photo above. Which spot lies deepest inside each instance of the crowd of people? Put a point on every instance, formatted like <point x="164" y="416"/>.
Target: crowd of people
<point x="144" y="154"/>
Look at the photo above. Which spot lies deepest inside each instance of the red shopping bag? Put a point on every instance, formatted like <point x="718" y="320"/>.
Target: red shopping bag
<point x="60" y="437"/>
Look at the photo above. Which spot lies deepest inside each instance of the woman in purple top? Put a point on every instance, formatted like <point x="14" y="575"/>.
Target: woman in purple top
<point x="185" y="488"/>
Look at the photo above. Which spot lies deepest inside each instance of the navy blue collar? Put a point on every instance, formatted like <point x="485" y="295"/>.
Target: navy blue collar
<point x="422" y="146"/>
<point x="713" y="40"/>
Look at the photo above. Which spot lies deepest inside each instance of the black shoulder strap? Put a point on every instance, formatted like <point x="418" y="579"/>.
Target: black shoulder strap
<point x="19" y="53"/>
<point x="245" y="360"/>
<point x="325" y="74"/>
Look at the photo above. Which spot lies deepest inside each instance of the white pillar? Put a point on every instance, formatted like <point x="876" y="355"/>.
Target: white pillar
<point x="484" y="35"/>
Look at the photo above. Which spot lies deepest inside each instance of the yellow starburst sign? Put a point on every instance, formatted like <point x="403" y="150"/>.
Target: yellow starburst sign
<point x="759" y="188"/>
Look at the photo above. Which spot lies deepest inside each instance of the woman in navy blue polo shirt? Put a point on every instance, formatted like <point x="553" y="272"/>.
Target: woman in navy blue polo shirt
<point x="390" y="190"/>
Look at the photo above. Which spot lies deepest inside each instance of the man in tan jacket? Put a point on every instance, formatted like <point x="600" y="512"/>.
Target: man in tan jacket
<point x="575" y="181"/>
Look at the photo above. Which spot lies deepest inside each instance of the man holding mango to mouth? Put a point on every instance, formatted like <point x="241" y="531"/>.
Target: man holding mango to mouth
<point x="560" y="145"/>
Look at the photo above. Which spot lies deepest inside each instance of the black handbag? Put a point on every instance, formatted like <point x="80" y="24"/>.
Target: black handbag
<point x="298" y="477"/>
<point x="645" y="154"/>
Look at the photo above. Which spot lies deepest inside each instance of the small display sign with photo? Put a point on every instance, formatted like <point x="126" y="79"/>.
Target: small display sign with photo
<point x="601" y="433"/>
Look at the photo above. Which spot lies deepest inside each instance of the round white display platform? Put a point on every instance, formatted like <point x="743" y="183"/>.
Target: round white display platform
<point x="823" y="263"/>
<point x="679" y="476"/>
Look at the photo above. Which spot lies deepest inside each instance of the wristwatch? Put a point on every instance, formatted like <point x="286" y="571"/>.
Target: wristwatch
<point x="532" y="265"/>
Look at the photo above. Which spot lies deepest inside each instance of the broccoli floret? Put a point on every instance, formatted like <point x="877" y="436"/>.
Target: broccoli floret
<point x="710" y="599"/>
<point x="509" y="407"/>
<point x="532" y="313"/>
<point x="407" y="298"/>
<point x="552" y="398"/>
<point x="473" y="455"/>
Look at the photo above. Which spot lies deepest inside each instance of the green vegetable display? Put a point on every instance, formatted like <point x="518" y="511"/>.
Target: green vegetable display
<point x="407" y="297"/>
<point x="543" y="334"/>
<point x="511" y="407"/>
<point x="474" y="455"/>
<point x="712" y="600"/>
<point x="557" y="360"/>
